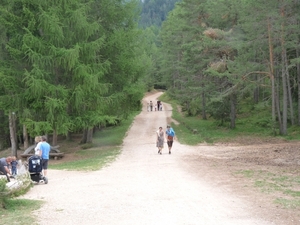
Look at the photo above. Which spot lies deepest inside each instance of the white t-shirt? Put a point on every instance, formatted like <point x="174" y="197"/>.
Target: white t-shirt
<point x="37" y="148"/>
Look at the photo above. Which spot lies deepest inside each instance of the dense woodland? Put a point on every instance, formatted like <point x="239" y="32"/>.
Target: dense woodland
<point x="71" y="66"/>
<point x="154" y="12"/>
<point x="214" y="55"/>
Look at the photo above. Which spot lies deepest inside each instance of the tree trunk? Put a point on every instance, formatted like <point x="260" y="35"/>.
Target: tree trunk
<point x="54" y="138"/>
<point x="277" y="101"/>
<point x="84" y="136"/>
<point x="12" y="131"/>
<point x="69" y="136"/>
<point x="298" y="82"/>
<point x="271" y="54"/>
<point x="3" y="134"/>
<point x="204" y="106"/>
<point x="232" y="110"/>
<point x="284" y="78"/>
<point x="25" y="137"/>
<point x="90" y="135"/>
<point x="289" y="91"/>
<point x="284" y="101"/>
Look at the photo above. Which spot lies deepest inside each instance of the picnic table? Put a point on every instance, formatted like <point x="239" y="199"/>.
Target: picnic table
<point x="54" y="152"/>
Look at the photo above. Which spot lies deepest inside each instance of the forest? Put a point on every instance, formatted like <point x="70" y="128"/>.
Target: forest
<point x="72" y="66"/>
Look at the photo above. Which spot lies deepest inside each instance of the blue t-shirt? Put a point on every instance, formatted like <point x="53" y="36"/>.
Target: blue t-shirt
<point x="45" y="148"/>
<point x="13" y="164"/>
<point x="170" y="132"/>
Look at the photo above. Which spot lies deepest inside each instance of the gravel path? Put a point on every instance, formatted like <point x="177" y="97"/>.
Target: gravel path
<point x="140" y="187"/>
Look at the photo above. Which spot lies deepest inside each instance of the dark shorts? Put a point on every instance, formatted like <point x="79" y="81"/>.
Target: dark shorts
<point x="45" y="164"/>
<point x="170" y="143"/>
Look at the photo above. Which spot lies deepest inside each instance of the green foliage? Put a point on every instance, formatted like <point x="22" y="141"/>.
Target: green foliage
<point x="67" y="64"/>
<point x="90" y="159"/>
<point x="154" y="12"/>
<point x="3" y="193"/>
<point x="220" y="53"/>
<point x="251" y="122"/>
<point x="19" y="211"/>
<point x="219" y="109"/>
<point x="104" y="149"/>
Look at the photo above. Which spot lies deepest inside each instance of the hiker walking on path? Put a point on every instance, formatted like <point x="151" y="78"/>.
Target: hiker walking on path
<point x="160" y="140"/>
<point x="170" y="133"/>
<point x="148" y="107"/>
<point x="151" y="105"/>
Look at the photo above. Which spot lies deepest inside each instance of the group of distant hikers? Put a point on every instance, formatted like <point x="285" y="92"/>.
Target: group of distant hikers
<point x="155" y="107"/>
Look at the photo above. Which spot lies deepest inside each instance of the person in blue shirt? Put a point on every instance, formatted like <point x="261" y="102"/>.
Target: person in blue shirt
<point x="44" y="151"/>
<point x="170" y="135"/>
<point x="13" y="164"/>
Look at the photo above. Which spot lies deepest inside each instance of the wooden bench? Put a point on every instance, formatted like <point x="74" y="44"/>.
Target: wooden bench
<point x="51" y="155"/>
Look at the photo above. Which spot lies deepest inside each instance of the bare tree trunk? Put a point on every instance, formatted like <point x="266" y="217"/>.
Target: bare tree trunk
<point x="272" y="72"/>
<point x="298" y="81"/>
<point x="12" y="131"/>
<point x="90" y="135"/>
<point x="3" y="135"/>
<point x="284" y="78"/>
<point x="84" y="136"/>
<point x="204" y="106"/>
<point x="54" y="138"/>
<point x="284" y="101"/>
<point x="232" y="110"/>
<point x="290" y="99"/>
<point x="69" y="136"/>
<point x="25" y="137"/>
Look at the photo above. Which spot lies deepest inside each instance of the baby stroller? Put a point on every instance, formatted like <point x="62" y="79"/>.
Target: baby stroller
<point x="35" y="169"/>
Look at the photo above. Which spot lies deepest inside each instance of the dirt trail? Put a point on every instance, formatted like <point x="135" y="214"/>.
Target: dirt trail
<point x="144" y="188"/>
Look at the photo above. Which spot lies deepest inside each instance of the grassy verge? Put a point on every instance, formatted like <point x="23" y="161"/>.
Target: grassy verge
<point x="255" y="124"/>
<point x="19" y="211"/>
<point x="284" y="185"/>
<point x="104" y="150"/>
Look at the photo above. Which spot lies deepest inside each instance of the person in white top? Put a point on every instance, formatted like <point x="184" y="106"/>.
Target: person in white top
<point x="38" y="141"/>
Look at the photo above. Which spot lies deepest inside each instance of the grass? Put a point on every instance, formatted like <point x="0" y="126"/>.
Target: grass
<point x="252" y="121"/>
<point x="19" y="211"/>
<point x="286" y="186"/>
<point x="91" y="159"/>
<point x="104" y="150"/>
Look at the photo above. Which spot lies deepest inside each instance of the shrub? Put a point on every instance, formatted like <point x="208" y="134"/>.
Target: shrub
<point x="3" y="192"/>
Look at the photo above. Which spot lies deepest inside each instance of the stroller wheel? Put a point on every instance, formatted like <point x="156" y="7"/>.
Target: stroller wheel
<point x="45" y="180"/>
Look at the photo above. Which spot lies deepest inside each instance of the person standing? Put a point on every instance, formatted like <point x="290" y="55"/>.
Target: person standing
<point x="170" y="133"/>
<point x="160" y="140"/>
<point x="148" y="106"/>
<point x="4" y="163"/>
<point x="45" y="150"/>
<point x="151" y="105"/>
<point x="38" y="142"/>
<point x="14" y="164"/>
